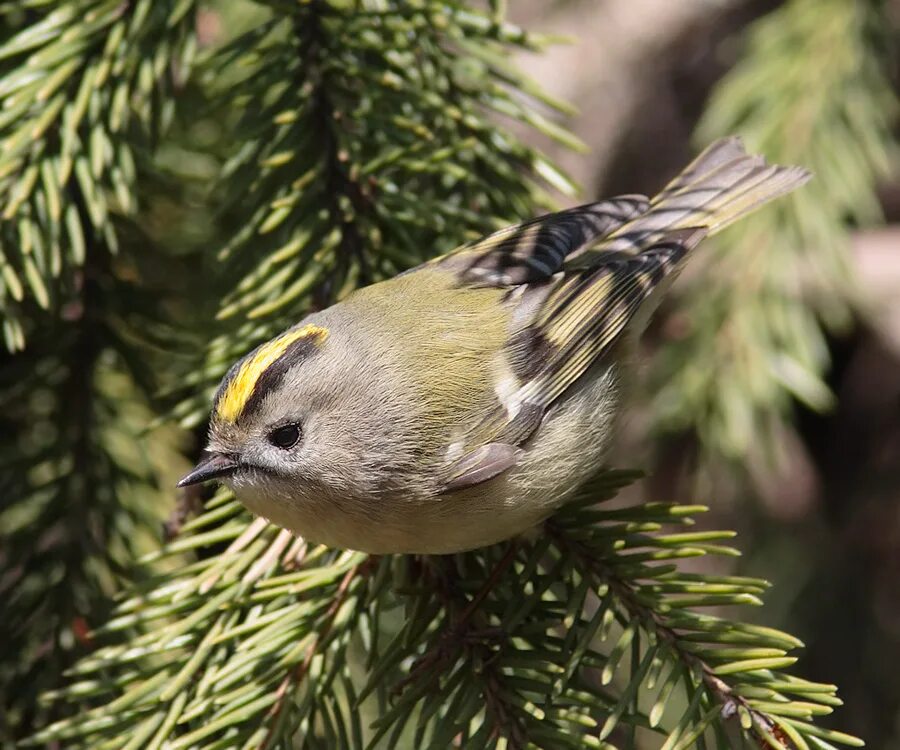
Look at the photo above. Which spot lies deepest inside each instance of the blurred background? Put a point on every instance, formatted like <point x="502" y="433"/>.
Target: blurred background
<point x="770" y="380"/>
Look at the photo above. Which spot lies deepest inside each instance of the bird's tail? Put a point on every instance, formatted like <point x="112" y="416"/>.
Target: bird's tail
<point x="720" y="186"/>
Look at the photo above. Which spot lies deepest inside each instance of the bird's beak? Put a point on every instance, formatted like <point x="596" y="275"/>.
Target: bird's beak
<point x="211" y="466"/>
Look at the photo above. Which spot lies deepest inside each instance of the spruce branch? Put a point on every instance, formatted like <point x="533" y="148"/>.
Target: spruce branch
<point x="575" y="637"/>
<point x="79" y="507"/>
<point x="84" y="86"/>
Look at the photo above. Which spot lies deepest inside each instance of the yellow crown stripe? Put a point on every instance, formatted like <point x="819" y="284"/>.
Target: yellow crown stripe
<point x="240" y="387"/>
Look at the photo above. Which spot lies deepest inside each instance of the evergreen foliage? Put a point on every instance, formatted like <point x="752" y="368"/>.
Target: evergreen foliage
<point x="86" y="87"/>
<point x="581" y="637"/>
<point x="359" y="138"/>
<point x="784" y="280"/>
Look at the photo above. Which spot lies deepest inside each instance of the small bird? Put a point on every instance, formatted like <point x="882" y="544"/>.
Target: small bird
<point x="463" y="401"/>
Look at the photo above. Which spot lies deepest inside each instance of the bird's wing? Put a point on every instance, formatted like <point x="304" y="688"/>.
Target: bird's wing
<point x="581" y="314"/>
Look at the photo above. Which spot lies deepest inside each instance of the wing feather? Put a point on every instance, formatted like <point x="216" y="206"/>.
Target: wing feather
<point x="537" y="249"/>
<point x="579" y="320"/>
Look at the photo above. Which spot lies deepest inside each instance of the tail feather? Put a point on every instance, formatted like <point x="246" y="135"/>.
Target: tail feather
<point x="720" y="186"/>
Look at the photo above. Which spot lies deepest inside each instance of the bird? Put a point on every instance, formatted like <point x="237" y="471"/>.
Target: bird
<point x="462" y="402"/>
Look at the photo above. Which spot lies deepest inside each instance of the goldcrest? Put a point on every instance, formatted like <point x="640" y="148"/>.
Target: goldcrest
<point x="462" y="402"/>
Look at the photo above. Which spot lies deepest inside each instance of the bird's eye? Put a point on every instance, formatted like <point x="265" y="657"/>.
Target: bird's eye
<point x="285" y="437"/>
